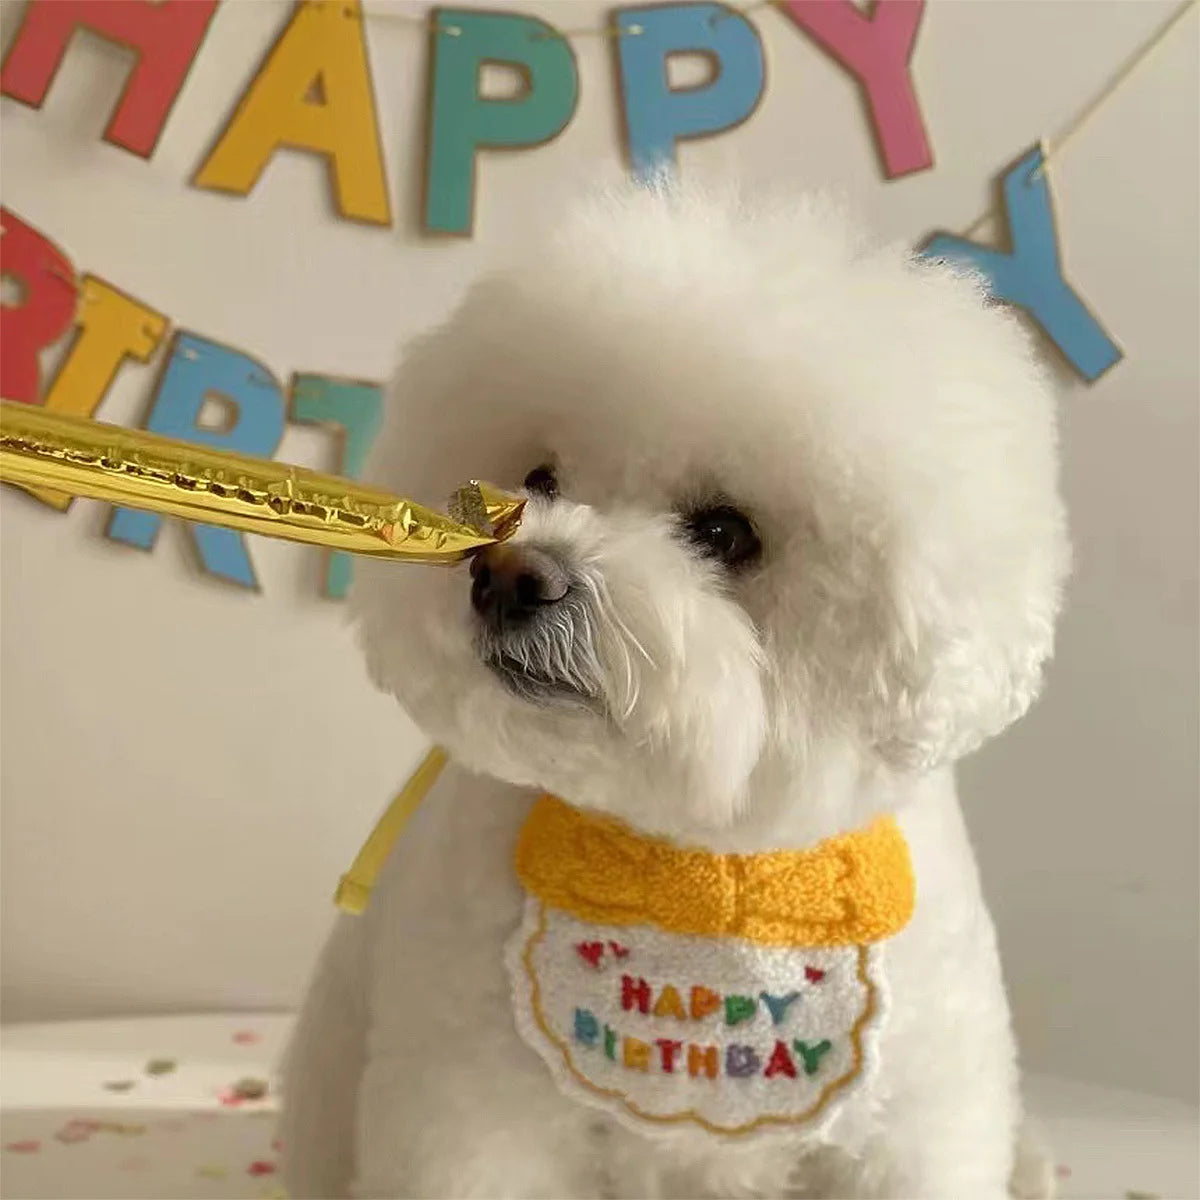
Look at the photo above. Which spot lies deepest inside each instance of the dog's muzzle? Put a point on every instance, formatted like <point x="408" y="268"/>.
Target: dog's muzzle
<point x="534" y="628"/>
<point x="510" y="585"/>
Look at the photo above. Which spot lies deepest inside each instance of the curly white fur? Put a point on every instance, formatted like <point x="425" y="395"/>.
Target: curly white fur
<point x="893" y="440"/>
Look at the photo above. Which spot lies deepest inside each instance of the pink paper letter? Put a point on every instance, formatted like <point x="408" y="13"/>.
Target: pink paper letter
<point x="876" y="49"/>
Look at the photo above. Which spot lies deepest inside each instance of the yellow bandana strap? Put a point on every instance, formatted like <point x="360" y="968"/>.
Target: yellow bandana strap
<point x="354" y="888"/>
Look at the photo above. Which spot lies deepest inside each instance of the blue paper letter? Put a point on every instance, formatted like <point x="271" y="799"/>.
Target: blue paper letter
<point x="657" y="116"/>
<point x="1031" y="276"/>
<point x="356" y="411"/>
<point x="196" y="370"/>
<point x="460" y="120"/>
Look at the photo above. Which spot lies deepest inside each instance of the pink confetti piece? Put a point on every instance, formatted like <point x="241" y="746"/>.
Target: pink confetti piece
<point x="261" y="1167"/>
<point x="1062" y="1171"/>
<point x="28" y="1146"/>
<point x="67" y="1134"/>
<point x="247" y="1037"/>
<point x="231" y="1099"/>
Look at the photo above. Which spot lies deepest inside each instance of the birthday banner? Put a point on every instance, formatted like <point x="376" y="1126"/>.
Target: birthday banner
<point x="313" y="94"/>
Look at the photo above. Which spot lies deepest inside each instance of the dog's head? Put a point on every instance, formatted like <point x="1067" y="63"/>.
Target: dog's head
<point x="792" y="499"/>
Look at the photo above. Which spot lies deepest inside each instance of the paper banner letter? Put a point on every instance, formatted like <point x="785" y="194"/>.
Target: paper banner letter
<point x="312" y="92"/>
<point x="1031" y="275"/>
<point x="355" y="410"/>
<point x="876" y="48"/>
<point x="165" y="35"/>
<point x="656" y="115"/>
<point x="110" y="327"/>
<point x="197" y="370"/>
<point x="461" y="121"/>
<point x="43" y="306"/>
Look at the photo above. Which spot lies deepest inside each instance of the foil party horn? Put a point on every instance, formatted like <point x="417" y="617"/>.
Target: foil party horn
<point x="66" y="453"/>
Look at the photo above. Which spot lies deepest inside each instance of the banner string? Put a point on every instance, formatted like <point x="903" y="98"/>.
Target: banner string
<point x="1055" y="147"/>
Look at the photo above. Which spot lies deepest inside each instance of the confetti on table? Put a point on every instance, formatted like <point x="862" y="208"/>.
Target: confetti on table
<point x="250" y="1088"/>
<point x="28" y="1146"/>
<point x="211" y="1171"/>
<point x="1062" y="1171"/>
<point x="1134" y="1194"/>
<point x="246" y="1037"/>
<point x="120" y="1085"/>
<point x="129" y="1129"/>
<point x="161" y="1066"/>
<point x="261" y="1167"/>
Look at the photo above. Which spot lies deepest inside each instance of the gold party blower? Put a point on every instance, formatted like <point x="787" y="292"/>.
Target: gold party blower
<point x="62" y="453"/>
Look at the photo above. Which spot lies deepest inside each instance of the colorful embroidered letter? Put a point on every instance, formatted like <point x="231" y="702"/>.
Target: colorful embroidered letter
<point x="876" y="49"/>
<point x="636" y="1054"/>
<point x="812" y="1054"/>
<point x="781" y="1063"/>
<point x="741" y="1061"/>
<point x="40" y="314"/>
<point x="165" y="35"/>
<point x="610" y="1043"/>
<point x="111" y="327"/>
<point x="356" y="411"/>
<point x="669" y="1004"/>
<point x="313" y="92"/>
<point x="196" y="370"/>
<point x="739" y="1008"/>
<point x="635" y="995"/>
<point x="702" y="1060"/>
<point x="656" y="115"/>
<point x="704" y="1003"/>
<point x="668" y="1049"/>
<point x="461" y="121"/>
<point x="587" y="1028"/>
<point x="1031" y="276"/>
<point x="778" y="1005"/>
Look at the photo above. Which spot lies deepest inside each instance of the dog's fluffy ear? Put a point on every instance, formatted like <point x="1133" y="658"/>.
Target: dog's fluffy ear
<point x="970" y="578"/>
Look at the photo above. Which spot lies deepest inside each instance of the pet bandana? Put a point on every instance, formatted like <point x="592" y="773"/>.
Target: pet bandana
<point x="675" y="987"/>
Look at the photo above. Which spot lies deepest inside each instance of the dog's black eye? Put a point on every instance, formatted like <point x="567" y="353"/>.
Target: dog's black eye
<point x="542" y="481"/>
<point x="725" y="534"/>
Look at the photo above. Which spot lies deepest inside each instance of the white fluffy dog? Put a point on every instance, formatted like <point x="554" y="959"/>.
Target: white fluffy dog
<point x="793" y="546"/>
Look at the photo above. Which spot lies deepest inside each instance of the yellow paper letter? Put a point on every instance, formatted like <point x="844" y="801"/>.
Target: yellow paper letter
<point x="313" y="92"/>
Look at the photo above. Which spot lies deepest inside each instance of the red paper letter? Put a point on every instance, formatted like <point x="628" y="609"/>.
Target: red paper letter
<point x="44" y="310"/>
<point x="165" y="35"/>
<point x="876" y="49"/>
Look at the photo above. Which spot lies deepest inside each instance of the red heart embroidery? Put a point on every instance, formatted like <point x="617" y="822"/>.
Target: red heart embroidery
<point x="813" y="974"/>
<point x="619" y="950"/>
<point x="590" y="952"/>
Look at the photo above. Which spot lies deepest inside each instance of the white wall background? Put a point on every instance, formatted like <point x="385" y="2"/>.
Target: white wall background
<point x="188" y="768"/>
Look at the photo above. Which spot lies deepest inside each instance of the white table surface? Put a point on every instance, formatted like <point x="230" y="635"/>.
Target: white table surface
<point x="65" y="1133"/>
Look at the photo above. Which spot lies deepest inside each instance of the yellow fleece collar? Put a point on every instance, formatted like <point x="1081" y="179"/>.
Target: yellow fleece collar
<point x="852" y="889"/>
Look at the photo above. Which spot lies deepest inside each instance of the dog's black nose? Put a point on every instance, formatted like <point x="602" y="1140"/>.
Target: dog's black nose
<point x="510" y="583"/>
